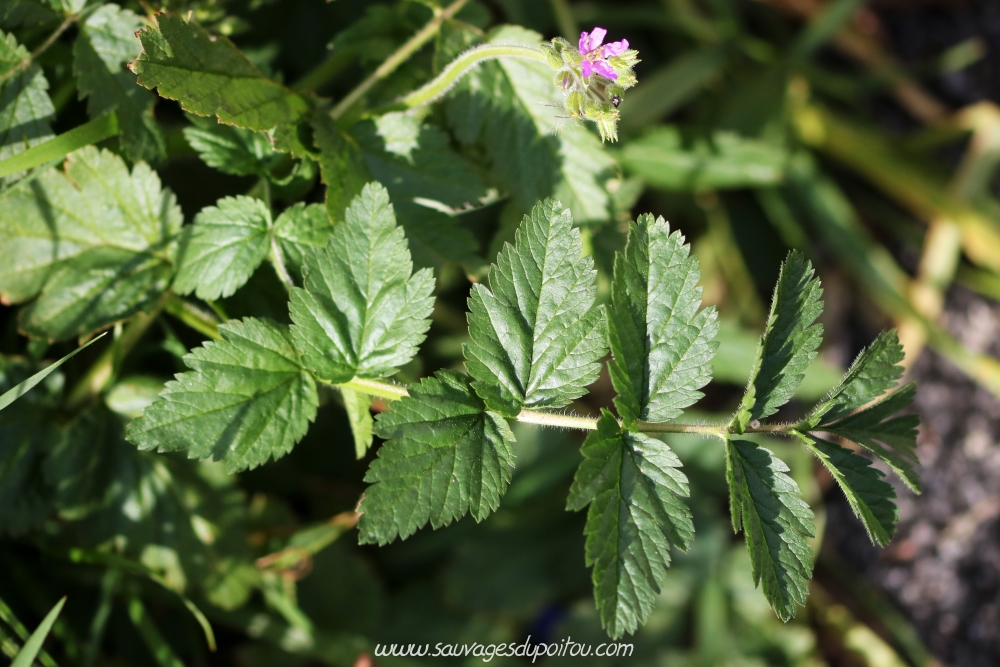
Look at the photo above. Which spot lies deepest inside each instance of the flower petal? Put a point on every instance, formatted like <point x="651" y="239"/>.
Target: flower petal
<point x="615" y="48"/>
<point x="583" y="42"/>
<point x="604" y="69"/>
<point x="587" y="68"/>
<point x="596" y="38"/>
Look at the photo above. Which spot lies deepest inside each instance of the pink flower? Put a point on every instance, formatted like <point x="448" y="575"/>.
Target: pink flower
<point x="595" y="56"/>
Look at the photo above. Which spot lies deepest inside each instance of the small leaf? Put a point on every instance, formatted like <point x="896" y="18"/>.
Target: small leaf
<point x="106" y="42"/>
<point x="226" y="245"/>
<point x="537" y="336"/>
<point x="869" y="496"/>
<point x="247" y="399"/>
<point x="661" y="343"/>
<point x="359" y="414"/>
<point x="96" y="242"/>
<point x="25" y="107"/>
<point x="341" y="164"/>
<point x="361" y="313"/>
<point x="299" y="230"/>
<point x="230" y="149"/>
<point x="635" y="490"/>
<point x="209" y="76"/>
<point x="876" y="370"/>
<point x="446" y="455"/>
<point x="775" y="520"/>
<point x="789" y="343"/>
<point x="892" y="439"/>
<point x="436" y="239"/>
<point x="26" y="656"/>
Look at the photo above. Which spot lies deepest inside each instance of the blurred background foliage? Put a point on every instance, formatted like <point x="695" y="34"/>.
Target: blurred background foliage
<point x="757" y="126"/>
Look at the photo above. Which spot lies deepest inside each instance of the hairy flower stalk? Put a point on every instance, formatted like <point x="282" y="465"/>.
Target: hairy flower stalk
<point x="593" y="76"/>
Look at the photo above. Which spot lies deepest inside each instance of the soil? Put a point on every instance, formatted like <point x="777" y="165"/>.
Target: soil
<point x="943" y="567"/>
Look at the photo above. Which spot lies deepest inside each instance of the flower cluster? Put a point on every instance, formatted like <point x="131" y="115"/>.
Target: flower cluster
<point x="594" y="77"/>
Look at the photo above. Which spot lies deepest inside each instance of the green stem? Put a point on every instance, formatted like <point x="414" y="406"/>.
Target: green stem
<point x="193" y="316"/>
<point x="392" y="392"/>
<point x="99" y="129"/>
<point x="458" y="67"/>
<point x="103" y="372"/>
<point x="278" y="260"/>
<point x="24" y="64"/>
<point x="401" y="55"/>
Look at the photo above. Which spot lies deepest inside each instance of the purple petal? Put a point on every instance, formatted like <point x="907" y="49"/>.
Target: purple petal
<point x="605" y="70"/>
<point x="596" y="38"/>
<point x="615" y="48"/>
<point x="587" y="68"/>
<point x="583" y="42"/>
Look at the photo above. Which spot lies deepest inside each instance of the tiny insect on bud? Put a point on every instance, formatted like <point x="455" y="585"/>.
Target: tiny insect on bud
<point x="616" y="100"/>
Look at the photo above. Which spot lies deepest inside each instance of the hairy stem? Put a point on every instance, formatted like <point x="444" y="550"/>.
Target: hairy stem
<point x="465" y="62"/>
<point x="392" y="392"/>
<point x="390" y="64"/>
<point x="278" y="260"/>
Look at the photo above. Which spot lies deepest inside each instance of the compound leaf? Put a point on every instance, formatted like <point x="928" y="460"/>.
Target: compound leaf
<point x="25" y="106"/>
<point x="892" y="439"/>
<point x="876" y="370"/>
<point x="635" y="490"/>
<point x="247" y="399"/>
<point x="776" y="522"/>
<point x="95" y="241"/>
<point x="106" y="42"/>
<point x="361" y="313"/>
<point x="789" y="343"/>
<point x="227" y="243"/>
<point x="661" y="343"/>
<point x="446" y="455"/>
<point x="870" y="497"/>
<point x="209" y="76"/>
<point x="537" y="336"/>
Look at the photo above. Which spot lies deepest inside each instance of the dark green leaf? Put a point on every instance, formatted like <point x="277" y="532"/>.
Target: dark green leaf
<point x="299" y="230"/>
<point x="661" y="342"/>
<point x="247" y="399"/>
<point x="342" y="166"/>
<point x="25" y="106"/>
<point x="635" y="490"/>
<point x="96" y="242"/>
<point x="668" y="158"/>
<point x="226" y="245"/>
<point x="106" y="43"/>
<point x="361" y="313"/>
<point x="892" y="439"/>
<point x="775" y="520"/>
<point x="208" y="75"/>
<point x="789" y="343"/>
<point x="537" y="336"/>
<point x="230" y="149"/>
<point x="446" y="455"/>
<point x="869" y="496"/>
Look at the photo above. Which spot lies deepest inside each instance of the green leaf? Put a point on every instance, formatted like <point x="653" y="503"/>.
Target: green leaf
<point x="26" y="656"/>
<point x="209" y="76"/>
<point x="341" y="164"/>
<point x="359" y="414"/>
<point x="25" y="106"/>
<point x="514" y="107"/>
<point x="446" y="455"/>
<point x="776" y="522"/>
<point x="230" y="149"/>
<point x="635" y="490"/>
<point x="892" y="439"/>
<point x="227" y="243"/>
<point x="661" y="343"/>
<point x="106" y="42"/>
<point x="789" y="343"/>
<point x="436" y="238"/>
<point x="96" y="242"/>
<point x="247" y="399"/>
<point x="299" y="230"/>
<point x="876" y="370"/>
<point x="869" y="496"/>
<point x="537" y="336"/>
<point x="361" y="313"/>
<point x="23" y="388"/>
<point x="672" y="159"/>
